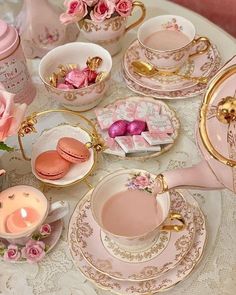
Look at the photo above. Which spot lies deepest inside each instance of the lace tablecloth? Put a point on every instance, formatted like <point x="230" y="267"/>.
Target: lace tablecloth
<point x="56" y="274"/>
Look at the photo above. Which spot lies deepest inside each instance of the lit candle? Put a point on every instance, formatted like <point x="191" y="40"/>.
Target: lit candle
<point x="22" y="209"/>
<point x="20" y="219"/>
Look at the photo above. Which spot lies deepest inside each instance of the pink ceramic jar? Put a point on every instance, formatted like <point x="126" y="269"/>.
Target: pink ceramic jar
<point x="14" y="74"/>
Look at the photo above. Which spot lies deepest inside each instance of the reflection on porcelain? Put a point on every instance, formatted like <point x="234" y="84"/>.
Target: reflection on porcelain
<point x="110" y="32"/>
<point x="215" y="137"/>
<point x="170" y="60"/>
<point x="171" y="87"/>
<point x="85" y="234"/>
<point x="81" y="99"/>
<point x="163" y="282"/>
<point x="164" y="110"/>
<point x="41" y="32"/>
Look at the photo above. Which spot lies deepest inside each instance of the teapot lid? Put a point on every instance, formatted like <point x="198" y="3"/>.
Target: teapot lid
<point x="8" y="39"/>
<point x="217" y="123"/>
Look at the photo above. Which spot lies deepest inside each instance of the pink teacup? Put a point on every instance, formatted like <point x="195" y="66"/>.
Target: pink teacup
<point x="23" y="209"/>
<point x="163" y="53"/>
<point x="125" y="180"/>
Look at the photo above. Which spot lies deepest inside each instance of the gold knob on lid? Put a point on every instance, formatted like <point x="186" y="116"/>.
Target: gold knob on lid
<point x="226" y="110"/>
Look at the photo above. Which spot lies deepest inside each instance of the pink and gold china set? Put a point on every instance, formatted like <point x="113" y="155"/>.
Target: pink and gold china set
<point x="132" y="233"/>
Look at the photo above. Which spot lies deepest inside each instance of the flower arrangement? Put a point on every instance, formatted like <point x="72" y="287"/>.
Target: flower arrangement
<point x="96" y="10"/>
<point x="33" y="251"/>
<point x="11" y="116"/>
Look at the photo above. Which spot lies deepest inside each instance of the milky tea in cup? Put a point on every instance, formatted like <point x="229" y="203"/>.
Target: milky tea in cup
<point x="124" y="207"/>
<point x="167" y="42"/>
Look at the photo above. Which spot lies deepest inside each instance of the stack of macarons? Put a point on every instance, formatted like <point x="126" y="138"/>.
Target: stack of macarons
<point x="55" y="164"/>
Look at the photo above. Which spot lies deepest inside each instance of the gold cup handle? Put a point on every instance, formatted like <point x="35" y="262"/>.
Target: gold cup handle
<point x="174" y="227"/>
<point x="204" y="50"/>
<point x="141" y="18"/>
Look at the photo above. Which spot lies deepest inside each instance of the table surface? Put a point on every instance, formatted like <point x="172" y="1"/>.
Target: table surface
<point x="56" y="274"/>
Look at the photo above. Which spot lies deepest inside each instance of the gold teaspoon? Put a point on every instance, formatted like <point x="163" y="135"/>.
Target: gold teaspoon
<point x="145" y="69"/>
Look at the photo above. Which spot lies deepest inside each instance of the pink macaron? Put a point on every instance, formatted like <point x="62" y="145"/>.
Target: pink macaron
<point x="72" y="150"/>
<point x="50" y="165"/>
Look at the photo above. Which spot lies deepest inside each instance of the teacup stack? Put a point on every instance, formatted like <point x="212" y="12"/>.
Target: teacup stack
<point x="169" y="60"/>
<point x="127" y="240"/>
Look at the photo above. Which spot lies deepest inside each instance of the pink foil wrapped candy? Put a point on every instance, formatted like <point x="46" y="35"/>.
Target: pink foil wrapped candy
<point x="77" y="78"/>
<point x="91" y="75"/>
<point x="136" y="127"/>
<point x="118" y="128"/>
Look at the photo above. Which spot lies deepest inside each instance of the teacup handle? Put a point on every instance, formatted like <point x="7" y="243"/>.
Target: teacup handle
<point x="174" y="227"/>
<point x="198" y="40"/>
<point x="141" y="18"/>
<point x="58" y="210"/>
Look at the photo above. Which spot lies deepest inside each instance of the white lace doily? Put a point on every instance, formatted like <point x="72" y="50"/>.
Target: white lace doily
<point x="56" y="274"/>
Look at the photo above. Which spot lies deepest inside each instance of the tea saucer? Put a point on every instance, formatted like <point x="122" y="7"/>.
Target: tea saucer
<point x="86" y="233"/>
<point x="163" y="282"/>
<point x="127" y="255"/>
<point x="199" y="66"/>
<point x="181" y="93"/>
<point x="50" y="241"/>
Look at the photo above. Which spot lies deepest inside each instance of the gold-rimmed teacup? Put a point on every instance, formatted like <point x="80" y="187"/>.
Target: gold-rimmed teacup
<point x="118" y="182"/>
<point x="172" y="59"/>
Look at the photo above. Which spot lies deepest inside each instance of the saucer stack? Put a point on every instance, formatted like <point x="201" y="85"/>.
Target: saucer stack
<point x="171" y="87"/>
<point x="168" y="260"/>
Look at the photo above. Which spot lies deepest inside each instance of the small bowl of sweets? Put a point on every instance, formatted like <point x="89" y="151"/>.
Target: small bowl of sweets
<point x="77" y="74"/>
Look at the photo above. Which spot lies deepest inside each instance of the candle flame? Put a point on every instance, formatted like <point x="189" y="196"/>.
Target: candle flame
<point x="23" y="212"/>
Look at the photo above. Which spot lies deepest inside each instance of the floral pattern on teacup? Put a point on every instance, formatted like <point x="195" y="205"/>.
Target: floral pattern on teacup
<point x="33" y="251"/>
<point x="172" y="25"/>
<point x="141" y="181"/>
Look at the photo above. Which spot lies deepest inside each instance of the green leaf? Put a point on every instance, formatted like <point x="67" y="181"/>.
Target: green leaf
<point x="5" y="147"/>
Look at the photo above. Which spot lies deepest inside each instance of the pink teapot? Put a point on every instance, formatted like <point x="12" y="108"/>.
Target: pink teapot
<point x="215" y="137"/>
<point x="40" y="28"/>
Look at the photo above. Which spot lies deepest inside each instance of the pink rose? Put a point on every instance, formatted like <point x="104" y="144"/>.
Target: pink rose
<point x="102" y="10"/>
<point x="141" y="181"/>
<point x="91" y="2"/>
<point x="124" y="7"/>
<point x="45" y="230"/>
<point x="76" y="10"/>
<point x="11" y="115"/>
<point x="12" y="253"/>
<point x="34" y="251"/>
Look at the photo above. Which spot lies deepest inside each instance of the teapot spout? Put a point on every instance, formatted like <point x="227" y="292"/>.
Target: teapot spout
<point x="199" y="176"/>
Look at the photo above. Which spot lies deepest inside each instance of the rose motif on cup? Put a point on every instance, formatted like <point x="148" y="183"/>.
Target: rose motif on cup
<point x="172" y="25"/>
<point x="141" y="181"/>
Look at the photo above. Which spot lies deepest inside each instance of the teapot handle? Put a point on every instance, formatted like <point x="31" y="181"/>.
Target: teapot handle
<point x="199" y="176"/>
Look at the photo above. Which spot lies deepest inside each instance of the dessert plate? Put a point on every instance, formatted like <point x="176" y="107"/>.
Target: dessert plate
<point x="159" y="108"/>
<point x="86" y="233"/>
<point x="200" y="66"/>
<point x="48" y="141"/>
<point x="163" y="282"/>
<point x="49" y="241"/>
